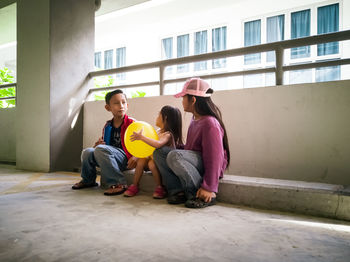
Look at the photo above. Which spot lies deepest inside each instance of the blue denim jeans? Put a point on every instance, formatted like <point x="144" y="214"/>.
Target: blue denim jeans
<point x="181" y="170"/>
<point x="111" y="160"/>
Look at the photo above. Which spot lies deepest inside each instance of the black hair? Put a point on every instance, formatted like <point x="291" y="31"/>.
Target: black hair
<point x="173" y="122"/>
<point x="109" y="95"/>
<point x="204" y="106"/>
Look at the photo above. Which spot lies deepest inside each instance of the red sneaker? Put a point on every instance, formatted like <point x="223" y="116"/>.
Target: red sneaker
<point x="159" y="192"/>
<point x="131" y="191"/>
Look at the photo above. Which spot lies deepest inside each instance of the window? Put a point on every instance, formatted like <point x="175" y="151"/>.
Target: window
<point x="252" y="36"/>
<point x="330" y="73"/>
<point x="167" y="48"/>
<point x="121" y="61"/>
<point x="327" y="22"/>
<point x="167" y="51"/>
<point x="219" y="44"/>
<point x="274" y="33"/>
<point x="200" y="47"/>
<point x="302" y="23"/>
<point x="300" y="76"/>
<point x="108" y="59"/>
<point x="300" y="27"/>
<point x="183" y="49"/>
<point x="98" y="60"/>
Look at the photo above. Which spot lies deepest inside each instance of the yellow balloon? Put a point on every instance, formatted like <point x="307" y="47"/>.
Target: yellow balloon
<point x="139" y="148"/>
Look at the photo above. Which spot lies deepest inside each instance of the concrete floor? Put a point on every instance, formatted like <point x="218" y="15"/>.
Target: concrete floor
<point x="42" y="219"/>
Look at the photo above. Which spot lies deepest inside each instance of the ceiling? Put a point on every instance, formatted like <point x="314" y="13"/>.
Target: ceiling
<point x="8" y="15"/>
<point x="108" y="6"/>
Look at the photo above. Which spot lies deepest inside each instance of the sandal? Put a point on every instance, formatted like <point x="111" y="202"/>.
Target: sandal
<point x="81" y="185"/>
<point x="199" y="203"/>
<point x="131" y="191"/>
<point x="115" y="190"/>
<point x="179" y="198"/>
<point x="159" y="192"/>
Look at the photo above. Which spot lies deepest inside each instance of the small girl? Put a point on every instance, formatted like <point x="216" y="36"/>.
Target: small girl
<point x="170" y="134"/>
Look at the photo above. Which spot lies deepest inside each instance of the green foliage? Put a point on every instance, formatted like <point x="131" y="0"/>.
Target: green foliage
<point x="108" y="81"/>
<point x="6" y="77"/>
<point x="138" y="94"/>
<point x="102" y="81"/>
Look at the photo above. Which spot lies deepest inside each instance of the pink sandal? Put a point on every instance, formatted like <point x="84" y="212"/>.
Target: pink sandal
<point x="159" y="192"/>
<point x="131" y="191"/>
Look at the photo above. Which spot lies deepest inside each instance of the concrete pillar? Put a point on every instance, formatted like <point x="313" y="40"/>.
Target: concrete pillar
<point x="55" y="50"/>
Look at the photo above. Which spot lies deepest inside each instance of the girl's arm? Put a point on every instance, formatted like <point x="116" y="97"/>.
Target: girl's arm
<point x="163" y="140"/>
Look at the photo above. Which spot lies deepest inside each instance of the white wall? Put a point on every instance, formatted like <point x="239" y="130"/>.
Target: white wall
<point x="297" y="132"/>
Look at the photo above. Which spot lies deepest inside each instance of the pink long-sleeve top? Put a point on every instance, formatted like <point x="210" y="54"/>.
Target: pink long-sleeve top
<point x="206" y="136"/>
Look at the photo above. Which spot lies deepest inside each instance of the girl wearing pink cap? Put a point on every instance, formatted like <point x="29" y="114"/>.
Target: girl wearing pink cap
<point x="192" y="175"/>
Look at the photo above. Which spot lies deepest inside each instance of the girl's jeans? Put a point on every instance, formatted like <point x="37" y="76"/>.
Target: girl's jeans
<point x="111" y="160"/>
<point x="181" y="170"/>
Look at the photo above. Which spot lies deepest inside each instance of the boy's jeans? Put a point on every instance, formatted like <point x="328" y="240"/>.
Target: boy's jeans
<point x="111" y="160"/>
<point x="181" y="170"/>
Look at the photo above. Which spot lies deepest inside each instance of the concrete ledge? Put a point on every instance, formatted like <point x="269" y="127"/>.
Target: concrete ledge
<point x="317" y="199"/>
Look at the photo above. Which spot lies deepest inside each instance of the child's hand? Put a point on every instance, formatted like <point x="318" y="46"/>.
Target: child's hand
<point x="136" y="136"/>
<point x="205" y="194"/>
<point x="99" y="142"/>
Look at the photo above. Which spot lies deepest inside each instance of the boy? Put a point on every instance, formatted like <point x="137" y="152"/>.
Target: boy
<point x="109" y="152"/>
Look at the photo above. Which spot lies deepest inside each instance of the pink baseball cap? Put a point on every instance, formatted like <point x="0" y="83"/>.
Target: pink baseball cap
<point x="195" y="87"/>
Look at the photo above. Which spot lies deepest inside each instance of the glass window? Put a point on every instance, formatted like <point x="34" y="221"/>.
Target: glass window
<point x="183" y="49"/>
<point x="167" y="48"/>
<point x="330" y="73"/>
<point x="98" y="60"/>
<point x="274" y="33"/>
<point x="121" y="61"/>
<point x="252" y="36"/>
<point x="300" y="27"/>
<point x="328" y="22"/>
<point x="200" y="47"/>
<point x="219" y="44"/>
<point x="253" y="80"/>
<point x="300" y="76"/>
<point x="108" y="59"/>
<point x="167" y="51"/>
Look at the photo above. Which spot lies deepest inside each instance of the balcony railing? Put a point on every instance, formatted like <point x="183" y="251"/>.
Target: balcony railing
<point x="8" y="86"/>
<point x="279" y="68"/>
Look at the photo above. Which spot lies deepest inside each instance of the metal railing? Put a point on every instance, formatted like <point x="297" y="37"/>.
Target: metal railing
<point x="278" y="69"/>
<point x="7" y="86"/>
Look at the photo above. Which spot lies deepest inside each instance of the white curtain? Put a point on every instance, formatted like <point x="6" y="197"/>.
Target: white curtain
<point x="98" y="59"/>
<point x="300" y="27"/>
<point x="252" y="36"/>
<point x="219" y="44"/>
<point x="108" y="59"/>
<point x="183" y="49"/>
<point x="328" y="22"/>
<point x="200" y="47"/>
<point x="121" y="61"/>
<point x="274" y="33"/>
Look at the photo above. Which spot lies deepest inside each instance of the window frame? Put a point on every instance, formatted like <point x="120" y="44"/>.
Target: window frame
<point x="287" y="36"/>
<point x="191" y="33"/>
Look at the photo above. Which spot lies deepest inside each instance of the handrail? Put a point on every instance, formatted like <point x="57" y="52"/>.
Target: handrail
<point x="7" y="86"/>
<point x="279" y="68"/>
